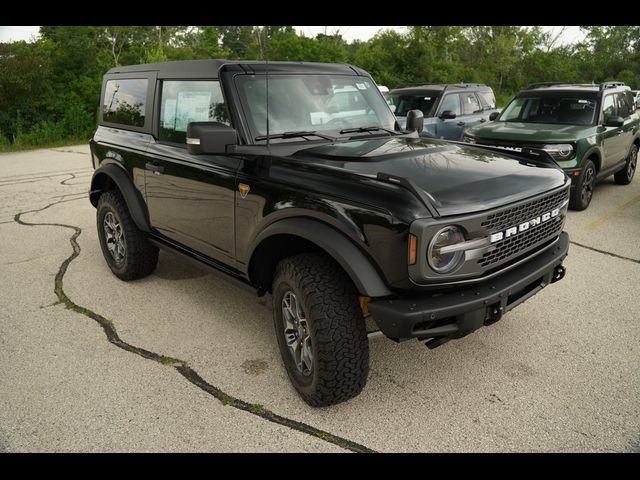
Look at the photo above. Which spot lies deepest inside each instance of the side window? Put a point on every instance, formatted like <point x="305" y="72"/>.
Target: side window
<point x="609" y="108"/>
<point x="185" y="101"/>
<point x="451" y="102"/>
<point x="624" y="105"/>
<point x="125" y="101"/>
<point x="470" y="103"/>
<point x="487" y="99"/>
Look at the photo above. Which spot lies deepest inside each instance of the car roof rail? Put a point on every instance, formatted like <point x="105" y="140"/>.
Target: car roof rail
<point x="445" y="85"/>
<point x="468" y="84"/>
<point x="418" y="84"/>
<point x="532" y="86"/>
<point x="606" y="85"/>
<point x="464" y="85"/>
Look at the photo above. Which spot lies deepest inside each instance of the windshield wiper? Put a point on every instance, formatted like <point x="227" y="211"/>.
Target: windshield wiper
<point x="301" y="133"/>
<point x="368" y="129"/>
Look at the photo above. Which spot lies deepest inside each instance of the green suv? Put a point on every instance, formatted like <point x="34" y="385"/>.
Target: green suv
<point x="591" y="131"/>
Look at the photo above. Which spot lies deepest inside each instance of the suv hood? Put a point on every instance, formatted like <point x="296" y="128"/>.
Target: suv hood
<point x="530" y="132"/>
<point x="458" y="178"/>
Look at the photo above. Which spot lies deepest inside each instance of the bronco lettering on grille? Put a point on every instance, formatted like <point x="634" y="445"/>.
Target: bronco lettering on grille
<point x="509" y="232"/>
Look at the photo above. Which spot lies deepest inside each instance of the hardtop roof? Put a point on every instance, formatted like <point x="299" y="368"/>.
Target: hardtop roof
<point x="210" y="68"/>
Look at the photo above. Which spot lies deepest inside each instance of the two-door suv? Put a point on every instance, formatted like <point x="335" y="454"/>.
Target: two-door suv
<point x="592" y="131"/>
<point x="255" y="170"/>
<point x="448" y="109"/>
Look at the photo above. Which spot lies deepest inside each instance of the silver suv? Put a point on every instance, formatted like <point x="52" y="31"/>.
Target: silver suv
<point x="449" y="109"/>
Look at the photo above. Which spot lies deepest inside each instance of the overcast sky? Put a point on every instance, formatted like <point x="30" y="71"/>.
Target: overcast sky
<point x="571" y="34"/>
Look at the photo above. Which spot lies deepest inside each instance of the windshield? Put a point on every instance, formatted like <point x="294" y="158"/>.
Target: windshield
<point x="312" y="103"/>
<point x="401" y="104"/>
<point x="563" y="108"/>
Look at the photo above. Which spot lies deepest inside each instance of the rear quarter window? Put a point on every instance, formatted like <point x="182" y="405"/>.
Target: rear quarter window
<point x="125" y="101"/>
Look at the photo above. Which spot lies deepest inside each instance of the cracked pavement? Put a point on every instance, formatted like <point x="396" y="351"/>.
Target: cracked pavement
<point x="186" y="361"/>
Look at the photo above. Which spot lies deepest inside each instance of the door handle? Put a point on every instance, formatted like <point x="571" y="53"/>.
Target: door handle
<point x="155" y="167"/>
<point x="482" y="120"/>
<point x="461" y="124"/>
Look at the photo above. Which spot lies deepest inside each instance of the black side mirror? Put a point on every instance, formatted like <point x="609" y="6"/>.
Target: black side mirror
<point x="493" y="116"/>
<point x="614" y="121"/>
<point x="415" y="120"/>
<point x="447" y="115"/>
<point x="210" y="137"/>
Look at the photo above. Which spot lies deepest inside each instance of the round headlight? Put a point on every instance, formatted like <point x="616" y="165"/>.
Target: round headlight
<point x="445" y="262"/>
<point x="559" y="151"/>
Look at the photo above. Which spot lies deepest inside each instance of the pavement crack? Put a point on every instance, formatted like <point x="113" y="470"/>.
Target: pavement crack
<point x="604" y="252"/>
<point x="18" y="179"/>
<point x="180" y="366"/>
<point x="69" y="151"/>
<point x="63" y="182"/>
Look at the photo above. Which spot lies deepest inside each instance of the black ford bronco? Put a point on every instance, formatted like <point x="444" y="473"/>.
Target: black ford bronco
<point x="296" y="180"/>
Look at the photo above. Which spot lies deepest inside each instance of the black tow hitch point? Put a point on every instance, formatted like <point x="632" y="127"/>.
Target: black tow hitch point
<point x="558" y="273"/>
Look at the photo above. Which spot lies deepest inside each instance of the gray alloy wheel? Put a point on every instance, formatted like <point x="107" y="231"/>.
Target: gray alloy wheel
<point x="625" y="176"/>
<point x="114" y="237"/>
<point x="587" y="184"/>
<point x="297" y="334"/>
<point x="632" y="162"/>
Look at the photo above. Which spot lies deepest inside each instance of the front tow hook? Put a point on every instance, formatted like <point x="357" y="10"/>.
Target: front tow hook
<point x="558" y="274"/>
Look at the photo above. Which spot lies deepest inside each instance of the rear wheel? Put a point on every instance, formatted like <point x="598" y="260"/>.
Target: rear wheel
<point x="582" y="193"/>
<point x="320" y="329"/>
<point x="624" y="176"/>
<point x="126" y="249"/>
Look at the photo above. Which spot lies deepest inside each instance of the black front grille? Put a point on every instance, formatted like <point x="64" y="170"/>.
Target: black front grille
<point x="511" y="246"/>
<point x="512" y="217"/>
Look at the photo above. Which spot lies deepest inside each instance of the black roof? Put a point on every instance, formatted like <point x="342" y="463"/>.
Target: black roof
<point x="210" y="68"/>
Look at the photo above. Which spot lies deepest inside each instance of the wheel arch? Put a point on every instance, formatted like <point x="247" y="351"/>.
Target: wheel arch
<point x="290" y="236"/>
<point x="595" y="156"/>
<point x="110" y="177"/>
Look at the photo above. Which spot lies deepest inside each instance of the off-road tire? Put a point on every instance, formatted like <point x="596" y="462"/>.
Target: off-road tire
<point x="624" y="176"/>
<point x="578" y="201"/>
<point x="140" y="256"/>
<point x="338" y="333"/>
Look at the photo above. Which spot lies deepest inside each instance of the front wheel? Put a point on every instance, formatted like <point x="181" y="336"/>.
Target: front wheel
<point x="320" y="329"/>
<point x="583" y="192"/>
<point x="624" y="176"/>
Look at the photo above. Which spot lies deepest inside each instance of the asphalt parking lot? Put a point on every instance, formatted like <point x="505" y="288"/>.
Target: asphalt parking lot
<point x="186" y="361"/>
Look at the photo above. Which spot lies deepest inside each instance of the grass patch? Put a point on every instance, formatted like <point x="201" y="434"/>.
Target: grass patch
<point x="23" y="146"/>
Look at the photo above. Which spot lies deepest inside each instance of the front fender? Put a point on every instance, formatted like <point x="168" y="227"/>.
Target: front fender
<point x="353" y="261"/>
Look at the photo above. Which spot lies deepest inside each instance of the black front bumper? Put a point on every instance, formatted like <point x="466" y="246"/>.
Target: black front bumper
<point x="458" y="313"/>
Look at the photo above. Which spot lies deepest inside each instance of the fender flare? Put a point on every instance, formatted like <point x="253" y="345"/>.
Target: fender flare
<point x="352" y="260"/>
<point x="132" y="197"/>
<point x="594" y="149"/>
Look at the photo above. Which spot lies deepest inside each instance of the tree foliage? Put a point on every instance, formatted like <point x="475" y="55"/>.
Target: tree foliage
<point x="50" y="89"/>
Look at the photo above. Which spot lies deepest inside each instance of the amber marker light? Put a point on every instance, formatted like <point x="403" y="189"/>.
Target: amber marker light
<point x="413" y="242"/>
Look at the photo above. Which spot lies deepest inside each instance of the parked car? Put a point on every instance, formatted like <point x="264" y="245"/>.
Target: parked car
<point x="636" y="98"/>
<point x="592" y="131"/>
<point x="323" y="202"/>
<point x="448" y="109"/>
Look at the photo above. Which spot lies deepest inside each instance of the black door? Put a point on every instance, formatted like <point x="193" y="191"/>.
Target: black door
<point x="191" y="197"/>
